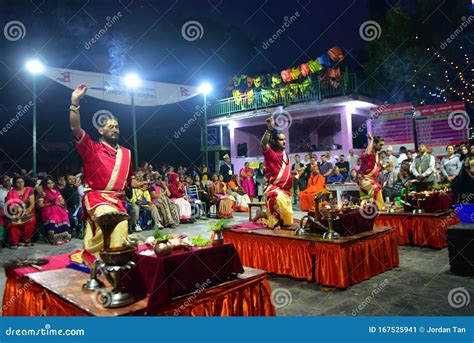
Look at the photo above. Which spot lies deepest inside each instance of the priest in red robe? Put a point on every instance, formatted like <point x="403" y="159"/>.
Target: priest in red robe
<point x="369" y="168"/>
<point x="278" y="172"/>
<point x="107" y="171"/>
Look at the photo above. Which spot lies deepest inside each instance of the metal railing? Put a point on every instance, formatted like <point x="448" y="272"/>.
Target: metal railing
<point x="317" y="91"/>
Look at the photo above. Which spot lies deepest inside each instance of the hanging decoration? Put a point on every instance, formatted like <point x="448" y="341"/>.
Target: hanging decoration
<point x="305" y="71"/>
<point x="336" y="54"/>
<point x="289" y="82"/>
<point x="286" y="75"/>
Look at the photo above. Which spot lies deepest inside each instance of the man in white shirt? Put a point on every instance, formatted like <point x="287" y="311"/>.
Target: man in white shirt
<point x="332" y="159"/>
<point x="402" y="155"/>
<point x="423" y="168"/>
<point x="353" y="159"/>
<point x="390" y="158"/>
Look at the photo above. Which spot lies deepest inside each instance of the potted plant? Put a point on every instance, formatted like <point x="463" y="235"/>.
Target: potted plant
<point x="217" y="238"/>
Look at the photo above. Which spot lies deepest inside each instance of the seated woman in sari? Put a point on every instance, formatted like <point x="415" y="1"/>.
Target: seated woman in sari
<point x="316" y="183"/>
<point x="246" y="178"/>
<point x="20" y="213"/>
<point x="53" y="213"/>
<point x="160" y="197"/>
<point x="218" y="192"/>
<point x="177" y="194"/>
<point x="242" y="200"/>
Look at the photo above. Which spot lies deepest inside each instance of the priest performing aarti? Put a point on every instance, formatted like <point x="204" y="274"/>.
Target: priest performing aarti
<point x="279" y="211"/>
<point x="369" y="169"/>
<point x="107" y="171"/>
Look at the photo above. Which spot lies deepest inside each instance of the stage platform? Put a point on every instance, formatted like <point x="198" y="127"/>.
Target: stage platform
<point x="208" y="281"/>
<point x="337" y="263"/>
<point x="423" y="229"/>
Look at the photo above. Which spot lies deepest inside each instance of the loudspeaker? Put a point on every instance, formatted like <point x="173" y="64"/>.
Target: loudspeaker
<point x="242" y="149"/>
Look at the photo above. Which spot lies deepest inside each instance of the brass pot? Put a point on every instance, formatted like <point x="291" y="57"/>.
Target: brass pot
<point x="118" y="256"/>
<point x="217" y="238"/>
<point x="163" y="248"/>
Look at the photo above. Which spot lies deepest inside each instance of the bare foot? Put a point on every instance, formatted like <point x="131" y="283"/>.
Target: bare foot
<point x="259" y="215"/>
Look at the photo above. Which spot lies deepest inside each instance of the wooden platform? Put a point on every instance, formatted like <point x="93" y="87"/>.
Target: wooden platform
<point x="420" y="229"/>
<point x="337" y="263"/>
<point x="59" y="293"/>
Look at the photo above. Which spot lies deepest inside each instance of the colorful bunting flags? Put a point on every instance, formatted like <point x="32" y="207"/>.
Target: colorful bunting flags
<point x="289" y="82"/>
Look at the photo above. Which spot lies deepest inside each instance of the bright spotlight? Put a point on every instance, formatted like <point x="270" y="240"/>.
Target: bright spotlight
<point x="34" y="66"/>
<point x="205" y="88"/>
<point x="132" y="80"/>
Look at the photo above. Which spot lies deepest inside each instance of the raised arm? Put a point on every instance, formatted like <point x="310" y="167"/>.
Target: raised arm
<point x="74" y="116"/>
<point x="370" y="147"/>
<point x="268" y="133"/>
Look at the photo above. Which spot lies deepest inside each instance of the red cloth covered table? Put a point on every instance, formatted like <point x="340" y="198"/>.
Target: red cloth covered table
<point x="46" y="294"/>
<point x="431" y="231"/>
<point x="425" y="229"/>
<point x="162" y="278"/>
<point x="22" y="297"/>
<point x="340" y="263"/>
<point x="434" y="203"/>
<point x="402" y="224"/>
<point x="350" y="223"/>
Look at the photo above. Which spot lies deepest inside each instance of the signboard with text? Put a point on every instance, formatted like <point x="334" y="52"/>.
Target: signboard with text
<point x="443" y="124"/>
<point x="395" y="124"/>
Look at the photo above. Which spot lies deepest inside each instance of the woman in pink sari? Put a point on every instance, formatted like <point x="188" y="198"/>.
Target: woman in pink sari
<point x="20" y="213"/>
<point x="246" y="179"/>
<point x="53" y="213"/>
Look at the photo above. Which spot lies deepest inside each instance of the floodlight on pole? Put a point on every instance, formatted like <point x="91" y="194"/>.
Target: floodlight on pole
<point x="34" y="67"/>
<point x="132" y="81"/>
<point x="205" y="88"/>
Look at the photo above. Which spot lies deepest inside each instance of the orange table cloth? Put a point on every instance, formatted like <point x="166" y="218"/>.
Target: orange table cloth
<point x="249" y="297"/>
<point x="431" y="232"/>
<point x="420" y="230"/>
<point x="343" y="265"/>
<point x="274" y="255"/>
<point x="335" y="265"/>
<point x="401" y="224"/>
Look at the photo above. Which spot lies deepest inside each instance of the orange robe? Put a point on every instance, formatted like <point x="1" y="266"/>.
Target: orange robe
<point x="316" y="184"/>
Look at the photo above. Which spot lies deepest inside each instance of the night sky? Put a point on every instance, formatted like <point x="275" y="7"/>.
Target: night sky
<point x="147" y="39"/>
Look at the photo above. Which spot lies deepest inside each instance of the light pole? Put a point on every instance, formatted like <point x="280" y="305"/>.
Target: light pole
<point x="205" y="88"/>
<point x="132" y="81"/>
<point x="34" y="67"/>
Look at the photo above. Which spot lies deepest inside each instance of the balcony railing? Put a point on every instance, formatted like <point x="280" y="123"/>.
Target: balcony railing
<point x="317" y="91"/>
